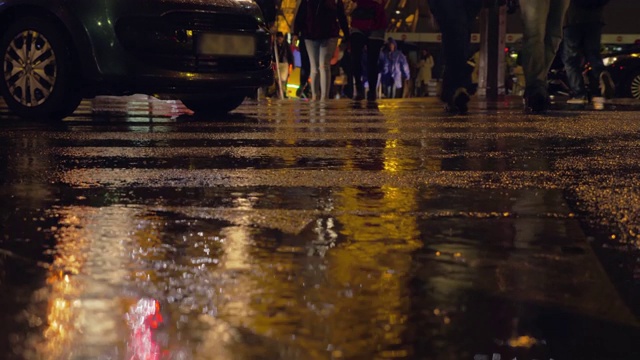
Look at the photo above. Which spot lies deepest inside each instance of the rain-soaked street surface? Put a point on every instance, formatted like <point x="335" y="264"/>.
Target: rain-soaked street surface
<point x="297" y="230"/>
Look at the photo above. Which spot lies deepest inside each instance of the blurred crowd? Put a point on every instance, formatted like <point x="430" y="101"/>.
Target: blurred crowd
<point x="334" y="55"/>
<point x="403" y="69"/>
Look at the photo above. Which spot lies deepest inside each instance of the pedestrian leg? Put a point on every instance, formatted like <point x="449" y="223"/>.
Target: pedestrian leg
<point x="313" y="49"/>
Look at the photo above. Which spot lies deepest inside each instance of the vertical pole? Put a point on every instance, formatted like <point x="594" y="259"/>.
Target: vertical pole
<point x="278" y="82"/>
<point x="491" y="75"/>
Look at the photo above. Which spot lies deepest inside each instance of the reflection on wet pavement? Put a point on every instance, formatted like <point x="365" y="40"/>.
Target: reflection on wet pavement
<point x="295" y="230"/>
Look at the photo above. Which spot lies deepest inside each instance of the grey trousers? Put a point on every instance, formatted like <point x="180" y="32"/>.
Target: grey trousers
<point x="543" y="20"/>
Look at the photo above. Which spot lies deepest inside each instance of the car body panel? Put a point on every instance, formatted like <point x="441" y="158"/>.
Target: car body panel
<point x="624" y="68"/>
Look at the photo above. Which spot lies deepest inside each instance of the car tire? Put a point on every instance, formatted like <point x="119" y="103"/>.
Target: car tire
<point x="634" y="85"/>
<point x="213" y="105"/>
<point x="39" y="82"/>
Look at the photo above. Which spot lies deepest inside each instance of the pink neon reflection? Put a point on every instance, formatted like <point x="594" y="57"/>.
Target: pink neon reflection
<point x="143" y="318"/>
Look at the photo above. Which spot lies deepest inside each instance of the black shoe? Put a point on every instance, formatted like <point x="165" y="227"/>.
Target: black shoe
<point x="459" y="102"/>
<point x="348" y="93"/>
<point x="536" y="102"/>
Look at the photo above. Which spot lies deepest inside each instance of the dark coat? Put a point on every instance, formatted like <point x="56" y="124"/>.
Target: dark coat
<point x="320" y="19"/>
<point x="577" y="15"/>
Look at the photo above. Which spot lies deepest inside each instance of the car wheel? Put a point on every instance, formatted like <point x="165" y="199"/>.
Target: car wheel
<point x="635" y="86"/>
<point x="38" y="79"/>
<point x="213" y="105"/>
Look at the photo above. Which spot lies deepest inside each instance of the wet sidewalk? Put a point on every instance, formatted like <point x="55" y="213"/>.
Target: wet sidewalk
<point x="298" y="230"/>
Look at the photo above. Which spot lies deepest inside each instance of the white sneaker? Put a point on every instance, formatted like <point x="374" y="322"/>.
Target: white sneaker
<point x="577" y="100"/>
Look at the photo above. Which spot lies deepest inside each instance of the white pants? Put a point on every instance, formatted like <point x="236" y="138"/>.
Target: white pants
<point x="320" y="53"/>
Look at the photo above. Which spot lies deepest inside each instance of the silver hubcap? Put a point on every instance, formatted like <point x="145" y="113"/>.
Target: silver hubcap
<point x="635" y="87"/>
<point x="30" y="68"/>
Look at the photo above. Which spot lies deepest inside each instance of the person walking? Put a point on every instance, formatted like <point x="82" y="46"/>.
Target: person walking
<point x="284" y="61"/>
<point x="542" y="34"/>
<point x="425" y="73"/>
<point x="305" y="68"/>
<point x="346" y="63"/>
<point x="582" y="33"/>
<point x="406" y="47"/>
<point x="455" y="19"/>
<point x="368" y="25"/>
<point x="395" y="70"/>
<point x="319" y="23"/>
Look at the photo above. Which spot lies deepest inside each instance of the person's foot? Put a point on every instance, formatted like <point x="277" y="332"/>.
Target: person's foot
<point x="358" y="97"/>
<point x="607" y="87"/>
<point x="372" y="104"/>
<point x="536" y="102"/>
<point x="578" y="100"/>
<point x="459" y="102"/>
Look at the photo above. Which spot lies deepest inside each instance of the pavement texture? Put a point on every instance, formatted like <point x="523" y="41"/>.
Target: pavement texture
<point x="291" y="229"/>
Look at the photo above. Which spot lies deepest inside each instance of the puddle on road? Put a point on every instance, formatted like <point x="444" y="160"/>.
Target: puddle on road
<point x="442" y="244"/>
<point x="372" y="274"/>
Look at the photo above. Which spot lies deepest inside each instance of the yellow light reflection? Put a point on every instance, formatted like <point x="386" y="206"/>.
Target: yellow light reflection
<point x="375" y="255"/>
<point x="236" y="248"/>
<point x="84" y="312"/>
<point x="59" y="335"/>
<point x="522" y="342"/>
<point x="237" y="309"/>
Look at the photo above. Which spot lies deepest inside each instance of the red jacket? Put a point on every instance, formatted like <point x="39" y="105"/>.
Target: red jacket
<point x="369" y="15"/>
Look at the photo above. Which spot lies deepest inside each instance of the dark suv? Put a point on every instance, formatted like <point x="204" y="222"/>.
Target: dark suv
<point x="208" y="53"/>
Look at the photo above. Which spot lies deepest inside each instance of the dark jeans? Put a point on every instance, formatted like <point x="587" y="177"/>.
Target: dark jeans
<point x="581" y="42"/>
<point x="455" y="19"/>
<point x="358" y="42"/>
<point x="345" y="64"/>
<point x="541" y="35"/>
<point x="305" y="69"/>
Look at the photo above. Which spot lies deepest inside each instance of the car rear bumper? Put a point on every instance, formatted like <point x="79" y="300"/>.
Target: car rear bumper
<point x="151" y="47"/>
<point x="168" y="83"/>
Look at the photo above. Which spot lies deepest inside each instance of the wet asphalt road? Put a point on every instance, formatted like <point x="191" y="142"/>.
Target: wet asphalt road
<point x="296" y="230"/>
